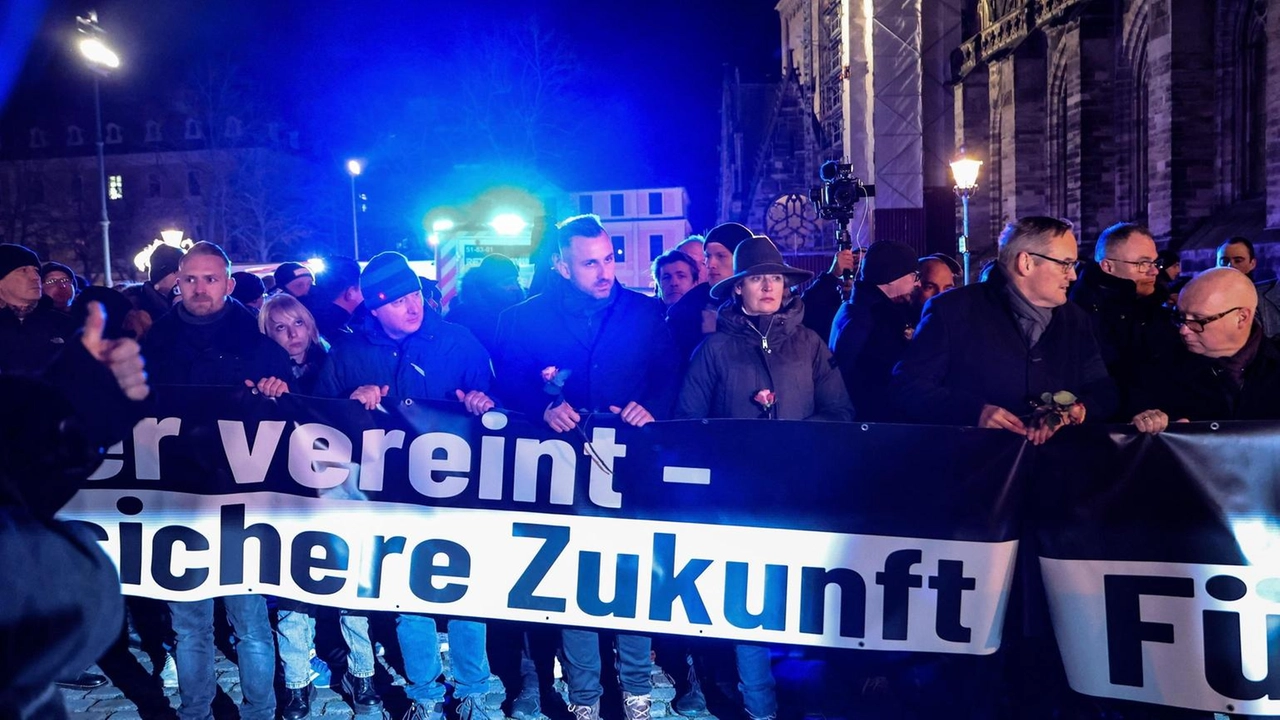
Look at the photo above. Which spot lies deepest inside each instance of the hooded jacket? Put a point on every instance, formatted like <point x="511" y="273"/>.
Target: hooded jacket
<point x="731" y="366"/>
<point x="431" y="364"/>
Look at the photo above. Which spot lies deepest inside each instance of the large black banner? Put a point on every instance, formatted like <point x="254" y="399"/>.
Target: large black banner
<point x="1160" y="556"/>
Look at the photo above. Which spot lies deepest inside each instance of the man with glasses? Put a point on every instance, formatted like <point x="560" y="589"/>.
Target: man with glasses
<point x="1227" y="369"/>
<point x="1119" y="291"/>
<point x="985" y="353"/>
<point x="59" y="284"/>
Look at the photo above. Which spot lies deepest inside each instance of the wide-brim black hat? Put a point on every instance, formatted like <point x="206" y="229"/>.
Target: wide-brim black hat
<point x="758" y="255"/>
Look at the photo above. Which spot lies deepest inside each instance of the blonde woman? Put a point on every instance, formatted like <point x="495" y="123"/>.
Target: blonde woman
<point x="287" y="321"/>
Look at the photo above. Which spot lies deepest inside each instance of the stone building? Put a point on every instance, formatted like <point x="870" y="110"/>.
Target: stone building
<point x="1094" y="110"/>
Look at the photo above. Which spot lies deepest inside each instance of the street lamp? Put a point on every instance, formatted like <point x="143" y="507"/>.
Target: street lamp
<point x="100" y="59"/>
<point x="965" y="171"/>
<point x="353" y="169"/>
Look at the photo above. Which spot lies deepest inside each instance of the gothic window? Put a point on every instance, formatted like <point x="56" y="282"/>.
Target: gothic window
<point x="115" y="187"/>
<point x="1141" y="137"/>
<point x="193" y="130"/>
<point x="1059" y="146"/>
<point x="75" y="137"/>
<point x="38" y="139"/>
<point x="153" y="131"/>
<point x="1251" y="104"/>
<point x="234" y="128"/>
<point x="114" y="136"/>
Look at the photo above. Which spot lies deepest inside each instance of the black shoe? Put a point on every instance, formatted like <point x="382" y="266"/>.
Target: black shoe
<point x="298" y="703"/>
<point x="83" y="681"/>
<point x="364" y="698"/>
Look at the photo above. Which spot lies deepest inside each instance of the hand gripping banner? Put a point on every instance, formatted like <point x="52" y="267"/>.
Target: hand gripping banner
<point x="821" y="534"/>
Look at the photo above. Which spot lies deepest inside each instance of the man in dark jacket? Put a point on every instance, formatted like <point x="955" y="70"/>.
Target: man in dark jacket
<point x="31" y="330"/>
<point x="404" y="350"/>
<point x="870" y="332"/>
<point x="1125" y="305"/>
<point x="211" y="339"/>
<point x="61" y="607"/>
<point x="154" y="298"/>
<point x="487" y="290"/>
<point x="694" y="315"/>
<point x="985" y="354"/>
<point x="827" y="293"/>
<point x="1226" y="370"/>
<point x="336" y="301"/>
<point x="620" y="358"/>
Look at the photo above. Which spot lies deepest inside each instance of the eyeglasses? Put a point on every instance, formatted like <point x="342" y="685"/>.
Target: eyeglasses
<point x="1143" y="266"/>
<point x="1196" y="325"/>
<point x="59" y="283"/>
<point x="1066" y="265"/>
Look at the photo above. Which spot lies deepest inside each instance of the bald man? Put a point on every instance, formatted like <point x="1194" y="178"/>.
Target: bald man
<point x="1226" y="370"/>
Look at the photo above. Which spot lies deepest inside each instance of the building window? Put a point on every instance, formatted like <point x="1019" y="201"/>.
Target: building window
<point x="655" y="247"/>
<point x="114" y="136"/>
<point x="38" y="140"/>
<point x="193" y="183"/>
<point x="233" y="128"/>
<point x="655" y="203"/>
<point x="75" y="137"/>
<point x="586" y="204"/>
<point x="153" y="131"/>
<point x="615" y="205"/>
<point x="153" y="185"/>
<point x="193" y="130"/>
<point x="619" y="248"/>
<point x="115" y="187"/>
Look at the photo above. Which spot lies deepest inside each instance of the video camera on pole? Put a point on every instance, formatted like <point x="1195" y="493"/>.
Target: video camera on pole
<point x="836" y="198"/>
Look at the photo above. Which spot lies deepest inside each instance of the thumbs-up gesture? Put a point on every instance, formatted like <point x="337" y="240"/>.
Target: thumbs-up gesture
<point x="122" y="357"/>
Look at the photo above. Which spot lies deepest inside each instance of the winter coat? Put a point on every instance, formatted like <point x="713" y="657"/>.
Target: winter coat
<point x="29" y="344"/>
<point x="731" y="366"/>
<point x="685" y="319"/>
<point x="333" y="322"/>
<point x="1131" y="330"/>
<point x="1194" y="387"/>
<point x="822" y="302"/>
<point x="481" y="318"/>
<point x="146" y="298"/>
<point x="869" y="336"/>
<point x="226" y="351"/>
<point x="431" y="364"/>
<point x="617" y="351"/>
<point x="968" y="352"/>
<point x="1269" y="306"/>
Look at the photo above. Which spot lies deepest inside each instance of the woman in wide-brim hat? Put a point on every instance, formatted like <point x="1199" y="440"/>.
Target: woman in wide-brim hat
<point x="762" y="362"/>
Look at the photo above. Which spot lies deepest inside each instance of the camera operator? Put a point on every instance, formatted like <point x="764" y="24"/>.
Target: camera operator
<point x="823" y="297"/>
<point x="62" y="606"/>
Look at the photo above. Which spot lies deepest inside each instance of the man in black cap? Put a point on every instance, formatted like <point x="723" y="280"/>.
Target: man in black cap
<point x="870" y="332"/>
<point x="59" y="284"/>
<point x="694" y="315"/>
<point x="154" y="298"/>
<point x="294" y="278"/>
<point x="336" y="301"/>
<point x="31" y="331"/>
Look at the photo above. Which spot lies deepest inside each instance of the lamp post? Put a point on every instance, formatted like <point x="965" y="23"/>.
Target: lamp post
<point x="100" y="60"/>
<point x="353" y="169"/>
<point x="965" y="172"/>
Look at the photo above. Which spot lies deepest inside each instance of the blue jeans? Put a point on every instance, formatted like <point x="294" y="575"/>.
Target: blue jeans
<point x="582" y="665"/>
<point x="197" y="684"/>
<point x="422" y="667"/>
<point x="755" y="680"/>
<point x="296" y="628"/>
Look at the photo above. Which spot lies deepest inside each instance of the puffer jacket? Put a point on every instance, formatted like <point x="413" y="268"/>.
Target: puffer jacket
<point x="731" y="366"/>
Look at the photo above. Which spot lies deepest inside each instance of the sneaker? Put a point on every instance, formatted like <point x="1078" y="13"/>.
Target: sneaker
<point x="321" y="676"/>
<point x="635" y="707"/>
<point x="585" y="712"/>
<point x="528" y="706"/>
<point x="169" y="672"/>
<point x="474" y="708"/>
<point x="297" y="705"/>
<point x="419" y="711"/>
<point x="364" y="697"/>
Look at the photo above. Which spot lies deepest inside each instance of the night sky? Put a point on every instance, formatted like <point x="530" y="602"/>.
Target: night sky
<point x="376" y="80"/>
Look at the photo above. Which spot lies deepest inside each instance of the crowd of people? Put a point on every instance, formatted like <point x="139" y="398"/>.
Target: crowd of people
<point x="1046" y="340"/>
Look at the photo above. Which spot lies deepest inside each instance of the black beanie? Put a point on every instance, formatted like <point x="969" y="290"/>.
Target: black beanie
<point x="13" y="257"/>
<point x="51" y="266"/>
<point x="728" y="234"/>
<point x="886" y="261"/>
<point x="290" y="271"/>
<point x="164" y="260"/>
<point x="387" y="277"/>
<point x="249" y="287"/>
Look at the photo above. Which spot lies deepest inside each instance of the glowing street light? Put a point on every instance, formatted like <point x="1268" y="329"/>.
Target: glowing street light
<point x="173" y="237"/>
<point x="354" y="168"/>
<point x="965" y="171"/>
<point x="316" y="265"/>
<point x="508" y="224"/>
<point x="100" y="59"/>
<point x="442" y="225"/>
